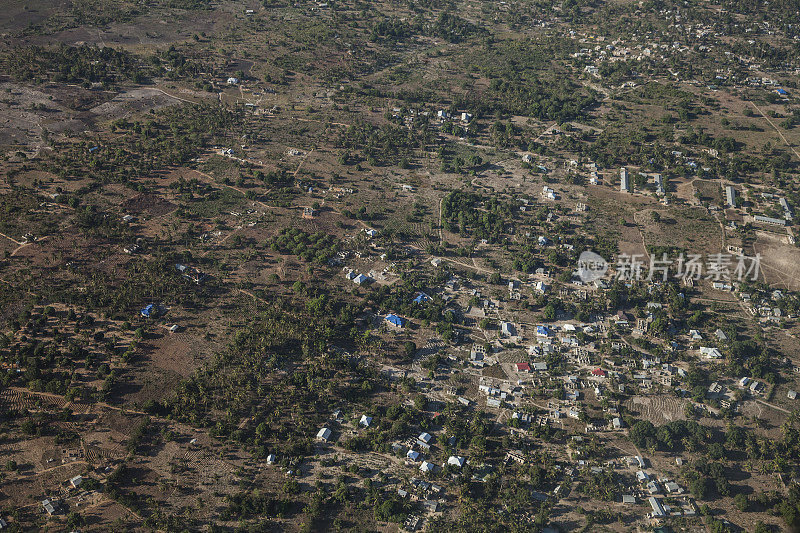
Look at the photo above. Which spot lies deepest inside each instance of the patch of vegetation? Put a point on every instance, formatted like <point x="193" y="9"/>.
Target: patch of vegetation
<point x="317" y="247"/>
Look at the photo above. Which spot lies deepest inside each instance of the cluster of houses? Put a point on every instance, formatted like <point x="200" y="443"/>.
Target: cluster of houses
<point x="599" y="360"/>
<point x="70" y="494"/>
<point x="357" y="278"/>
<point x="640" y="48"/>
<point x="464" y="116"/>
<point x="765" y="202"/>
<point x="625" y="184"/>
<point x="417" y="454"/>
<point x="580" y="363"/>
<point x="766" y="306"/>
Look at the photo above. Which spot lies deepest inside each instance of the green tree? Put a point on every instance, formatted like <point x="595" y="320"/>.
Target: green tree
<point x="741" y="501"/>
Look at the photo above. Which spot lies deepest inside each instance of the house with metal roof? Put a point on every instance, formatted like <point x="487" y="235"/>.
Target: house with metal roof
<point x="421" y="298"/>
<point x="456" y="460"/>
<point x="361" y="279"/>
<point x="395" y="320"/>
<point x="658" y="509"/>
<point x="730" y="196"/>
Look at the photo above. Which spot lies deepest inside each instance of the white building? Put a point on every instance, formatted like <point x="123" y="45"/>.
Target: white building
<point x="769" y="220"/>
<point x="624" y="180"/>
<point x="507" y="329"/>
<point x="456" y="461"/>
<point x="658" y="509"/>
<point x="730" y="196"/>
<point x="710" y="352"/>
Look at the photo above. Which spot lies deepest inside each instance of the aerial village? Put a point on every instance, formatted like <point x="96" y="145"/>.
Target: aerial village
<point x="424" y="266"/>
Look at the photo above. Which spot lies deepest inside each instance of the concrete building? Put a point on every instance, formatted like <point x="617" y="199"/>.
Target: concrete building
<point x="787" y="209"/>
<point x="624" y="180"/>
<point x="730" y="196"/>
<point x="659" y="182"/>
<point x="658" y="509"/>
<point x="769" y="220"/>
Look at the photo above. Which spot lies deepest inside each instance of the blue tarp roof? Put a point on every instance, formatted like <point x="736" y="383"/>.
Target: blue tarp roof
<point x="395" y="320"/>
<point x="149" y="310"/>
<point x="421" y="298"/>
<point x="542" y="330"/>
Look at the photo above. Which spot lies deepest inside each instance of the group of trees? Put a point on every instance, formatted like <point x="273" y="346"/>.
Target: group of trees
<point x="18" y="214"/>
<point x="524" y="80"/>
<point x="360" y="214"/>
<point x="470" y="214"/>
<point x="175" y="64"/>
<point x="673" y="437"/>
<point x="244" y="505"/>
<point x="317" y="247"/>
<point x="151" y="279"/>
<point x="699" y="137"/>
<point x="73" y="64"/>
<point x="603" y="486"/>
<point x="557" y="100"/>
<point x="451" y="161"/>
<point x="278" y="376"/>
<point x="48" y="347"/>
<point x="707" y="477"/>
<point x="783" y="14"/>
<point x="462" y="432"/>
<point x="386" y="145"/>
<point x="747" y="356"/>
<point x="172" y="136"/>
<point x="447" y="26"/>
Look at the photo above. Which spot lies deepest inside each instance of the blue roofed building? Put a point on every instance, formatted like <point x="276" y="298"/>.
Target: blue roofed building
<point x="395" y="321"/>
<point x="153" y="310"/>
<point x="421" y="298"/>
